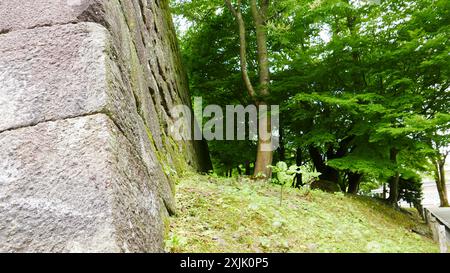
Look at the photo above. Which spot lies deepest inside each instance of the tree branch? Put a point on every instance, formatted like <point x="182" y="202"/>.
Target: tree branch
<point x="243" y="46"/>
<point x="264" y="9"/>
<point x="231" y="8"/>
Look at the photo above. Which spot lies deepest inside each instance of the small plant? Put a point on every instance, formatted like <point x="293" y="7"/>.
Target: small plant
<point x="284" y="175"/>
<point x="169" y="171"/>
<point x="175" y="243"/>
<point x="261" y="176"/>
<point x="213" y="174"/>
<point x="309" y="174"/>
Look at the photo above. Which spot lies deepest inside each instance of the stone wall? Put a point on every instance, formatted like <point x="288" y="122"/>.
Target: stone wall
<point x="86" y="159"/>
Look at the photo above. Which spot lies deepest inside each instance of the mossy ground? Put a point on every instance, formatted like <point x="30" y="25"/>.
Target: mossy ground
<point x="239" y="215"/>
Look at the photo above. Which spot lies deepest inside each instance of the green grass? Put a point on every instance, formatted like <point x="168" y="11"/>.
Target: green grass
<point x="231" y="215"/>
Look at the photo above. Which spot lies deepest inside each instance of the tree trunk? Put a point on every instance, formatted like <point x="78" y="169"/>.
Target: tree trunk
<point x="264" y="156"/>
<point x="248" y="171"/>
<point x="259" y="18"/>
<point x="282" y="149"/>
<point x="328" y="173"/>
<point x="317" y="158"/>
<point x="354" y="180"/>
<point x="394" y="181"/>
<point x="444" y="200"/>
<point x="441" y="183"/>
<point x="298" y="180"/>
<point x="239" y="170"/>
<point x="394" y="189"/>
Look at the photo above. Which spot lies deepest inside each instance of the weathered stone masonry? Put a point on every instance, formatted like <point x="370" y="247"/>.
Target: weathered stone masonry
<point x="86" y="160"/>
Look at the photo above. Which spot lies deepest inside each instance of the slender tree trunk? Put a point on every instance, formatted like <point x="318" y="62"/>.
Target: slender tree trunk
<point x="441" y="182"/>
<point x="444" y="202"/>
<point x="264" y="155"/>
<point x="239" y="170"/>
<point x="243" y="46"/>
<point x="282" y="149"/>
<point x="259" y="17"/>
<point x="394" y="181"/>
<point x="248" y="171"/>
<point x="298" y="180"/>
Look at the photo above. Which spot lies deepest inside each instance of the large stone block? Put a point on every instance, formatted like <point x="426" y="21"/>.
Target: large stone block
<point x="21" y="14"/>
<point x="76" y="185"/>
<point x="51" y="73"/>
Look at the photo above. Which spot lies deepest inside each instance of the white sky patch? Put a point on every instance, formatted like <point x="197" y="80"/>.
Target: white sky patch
<point x="182" y="24"/>
<point x="219" y="11"/>
<point x="325" y="34"/>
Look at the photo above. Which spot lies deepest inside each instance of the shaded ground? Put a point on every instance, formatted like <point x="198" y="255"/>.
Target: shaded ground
<point x="226" y="215"/>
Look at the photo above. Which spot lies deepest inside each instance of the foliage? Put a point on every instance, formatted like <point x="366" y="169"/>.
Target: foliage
<point x="363" y="86"/>
<point x="411" y="190"/>
<point x="285" y="175"/>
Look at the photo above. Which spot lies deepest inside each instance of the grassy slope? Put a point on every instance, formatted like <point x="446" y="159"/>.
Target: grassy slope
<point x="226" y="215"/>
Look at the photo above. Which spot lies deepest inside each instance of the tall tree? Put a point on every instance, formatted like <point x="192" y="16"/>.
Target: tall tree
<point x="259" y="11"/>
